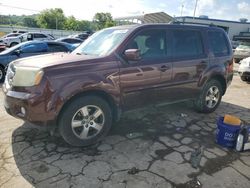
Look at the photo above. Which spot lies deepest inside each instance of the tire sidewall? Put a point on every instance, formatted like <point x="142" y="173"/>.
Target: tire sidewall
<point x="201" y="102"/>
<point x="3" y="75"/>
<point x="13" y="44"/>
<point x="65" y="128"/>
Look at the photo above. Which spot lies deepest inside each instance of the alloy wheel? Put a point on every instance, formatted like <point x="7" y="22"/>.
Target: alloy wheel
<point x="212" y="96"/>
<point x="87" y="122"/>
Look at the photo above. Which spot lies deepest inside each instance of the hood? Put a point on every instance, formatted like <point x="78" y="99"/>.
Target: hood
<point x="43" y="61"/>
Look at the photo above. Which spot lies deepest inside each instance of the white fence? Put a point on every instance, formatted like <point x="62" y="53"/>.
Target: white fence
<point x="54" y="32"/>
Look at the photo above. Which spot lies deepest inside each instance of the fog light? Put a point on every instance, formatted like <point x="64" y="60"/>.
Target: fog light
<point x="23" y="111"/>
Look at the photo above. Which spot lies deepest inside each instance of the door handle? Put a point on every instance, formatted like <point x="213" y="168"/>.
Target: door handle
<point x="164" y="68"/>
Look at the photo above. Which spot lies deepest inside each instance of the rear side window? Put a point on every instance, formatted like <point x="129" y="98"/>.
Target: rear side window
<point x="38" y="35"/>
<point x="57" y="48"/>
<point x="218" y="43"/>
<point x="187" y="44"/>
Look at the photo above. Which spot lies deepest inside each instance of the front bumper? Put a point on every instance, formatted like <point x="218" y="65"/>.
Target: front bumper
<point x="28" y="107"/>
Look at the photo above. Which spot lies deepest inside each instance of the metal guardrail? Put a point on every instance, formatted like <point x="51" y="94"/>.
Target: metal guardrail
<point x="54" y="32"/>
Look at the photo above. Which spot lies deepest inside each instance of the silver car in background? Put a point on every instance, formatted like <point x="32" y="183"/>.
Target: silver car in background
<point x="244" y="69"/>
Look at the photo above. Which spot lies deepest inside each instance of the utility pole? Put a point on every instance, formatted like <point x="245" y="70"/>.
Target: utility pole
<point x="56" y="23"/>
<point x="182" y="6"/>
<point x="196" y="2"/>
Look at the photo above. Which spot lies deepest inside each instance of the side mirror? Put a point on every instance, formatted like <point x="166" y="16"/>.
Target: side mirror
<point x="17" y="52"/>
<point x="132" y="54"/>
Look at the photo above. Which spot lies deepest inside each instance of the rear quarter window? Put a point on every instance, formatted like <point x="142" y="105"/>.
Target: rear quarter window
<point x="218" y="43"/>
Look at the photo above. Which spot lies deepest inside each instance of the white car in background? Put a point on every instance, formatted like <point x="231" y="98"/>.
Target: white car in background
<point x="7" y="36"/>
<point x="244" y="69"/>
<point x="14" y="40"/>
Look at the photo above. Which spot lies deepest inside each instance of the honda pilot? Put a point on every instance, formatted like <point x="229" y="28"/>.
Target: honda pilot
<point x="119" y="69"/>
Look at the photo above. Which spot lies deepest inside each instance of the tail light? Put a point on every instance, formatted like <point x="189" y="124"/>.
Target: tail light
<point x="230" y="67"/>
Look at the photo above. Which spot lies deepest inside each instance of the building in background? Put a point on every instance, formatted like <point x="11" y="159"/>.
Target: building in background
<point x="237" y="30"/>
<point x="158" y="17"/>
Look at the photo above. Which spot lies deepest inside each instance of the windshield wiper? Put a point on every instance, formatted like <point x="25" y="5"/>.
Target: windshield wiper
<point x="83" y="53"/>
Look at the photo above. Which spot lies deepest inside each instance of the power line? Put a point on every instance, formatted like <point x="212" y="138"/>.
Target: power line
<point x="21" y="8"/>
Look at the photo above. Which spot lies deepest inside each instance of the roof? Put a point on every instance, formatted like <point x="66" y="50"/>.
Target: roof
<point x="209" y="19"/>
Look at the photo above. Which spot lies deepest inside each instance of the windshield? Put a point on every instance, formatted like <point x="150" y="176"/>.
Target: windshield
<point x="102" y="42"/>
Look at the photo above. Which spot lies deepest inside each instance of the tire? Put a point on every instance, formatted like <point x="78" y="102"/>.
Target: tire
<point x="13" y="44"/>
<point x="243" y="78"/>
<point x="212" y="91"/>
<point x="236" y="60"/>
<point x="92" y="118"/>
<point x="2" y="74"/>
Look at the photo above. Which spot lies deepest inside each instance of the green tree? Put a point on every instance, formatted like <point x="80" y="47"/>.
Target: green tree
<point x="72" y="24"/>
<point x="30" y="21"/>
<point x="51" y="19"/>
<point x="103" y="20"/>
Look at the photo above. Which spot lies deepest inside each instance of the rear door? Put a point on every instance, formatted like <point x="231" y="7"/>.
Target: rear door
<point x="190" y="59"/>
<point x="139" y="81"/>
<point x="221" y="54"/>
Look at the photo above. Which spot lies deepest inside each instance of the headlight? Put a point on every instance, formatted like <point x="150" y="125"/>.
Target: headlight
<point x="27" y="76"/>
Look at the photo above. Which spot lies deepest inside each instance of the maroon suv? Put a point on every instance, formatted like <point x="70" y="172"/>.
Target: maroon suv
<point x="118" y="69"/>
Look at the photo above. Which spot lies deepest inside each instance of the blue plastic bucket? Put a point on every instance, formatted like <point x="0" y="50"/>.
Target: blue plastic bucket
<point x="226" y="134"/>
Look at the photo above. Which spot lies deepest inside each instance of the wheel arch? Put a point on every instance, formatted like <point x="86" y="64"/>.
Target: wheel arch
<point x="222" y="81"/>
<point x="99" y="93"/>
<point x="220" y="78"/>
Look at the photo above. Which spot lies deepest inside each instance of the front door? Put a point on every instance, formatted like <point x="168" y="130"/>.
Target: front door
<point x="140" y="80"/>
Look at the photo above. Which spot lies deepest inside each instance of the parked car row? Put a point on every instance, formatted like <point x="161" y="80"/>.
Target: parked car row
<point x="13" y="39"/>
<point x="19" y="47"/>
<point x="30" y="48"/>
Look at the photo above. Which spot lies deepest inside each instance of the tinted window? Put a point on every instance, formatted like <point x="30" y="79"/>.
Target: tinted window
<point x="57" y="48"/>
<point x="187" y="43"/>
<point x="72" y="41"/>
<point x="13" y="35"/>
<point x="151" y="43"/>
<point x="38" y="35"/>
<point x="34" y="48"/>
<point x="218" y="43"/>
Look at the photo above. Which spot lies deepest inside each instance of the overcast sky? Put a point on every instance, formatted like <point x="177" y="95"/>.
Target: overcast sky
<point x="85" y="9"/>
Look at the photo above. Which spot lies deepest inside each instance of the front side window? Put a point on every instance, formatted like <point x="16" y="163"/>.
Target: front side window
<point x="102" y="42"/>
<point x="187" y="43"/>
<point x="218" y="43"/>
<point x="151" y="43"/>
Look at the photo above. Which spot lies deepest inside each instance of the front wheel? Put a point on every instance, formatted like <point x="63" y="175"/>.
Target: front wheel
<point x="210" y="97"/>
<point x="85" y="121"/>
<point x="13" y="44"/>
<point x="2" y="74"/>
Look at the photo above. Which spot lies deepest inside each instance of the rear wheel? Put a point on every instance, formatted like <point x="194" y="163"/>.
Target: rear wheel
<point x="243" y="78"/>
<point x="210" y="97"/>
<point x="2" y="74"/>
<point x="13" y="44"/>
<point x="85" y="121"/>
